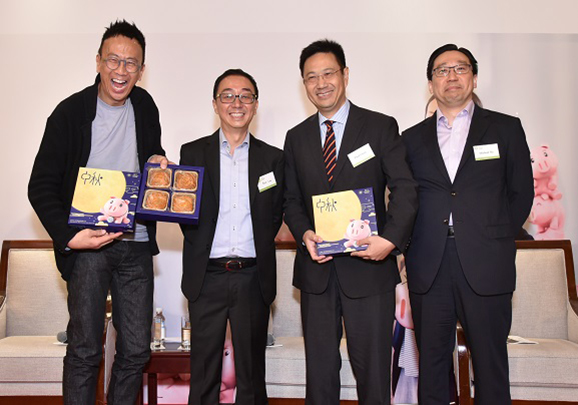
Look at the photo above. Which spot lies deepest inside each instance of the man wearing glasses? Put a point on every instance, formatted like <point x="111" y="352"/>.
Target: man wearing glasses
<point x="356" y="289"/>
<point x="476" y="189"/>
<point x="110" y="125"/>
<point x="229" y="265"/>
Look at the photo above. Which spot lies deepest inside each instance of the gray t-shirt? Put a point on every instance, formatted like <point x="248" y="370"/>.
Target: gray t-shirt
<point x="113" y="147"/>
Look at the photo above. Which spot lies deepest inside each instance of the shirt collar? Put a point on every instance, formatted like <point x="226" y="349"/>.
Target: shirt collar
<point x="225" y="144"/>
<point x="340" y="116"/>
<point x="467" y="111"/>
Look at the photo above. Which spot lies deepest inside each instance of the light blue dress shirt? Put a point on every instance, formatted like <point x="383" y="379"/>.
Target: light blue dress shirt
<point x="234" y="231"/>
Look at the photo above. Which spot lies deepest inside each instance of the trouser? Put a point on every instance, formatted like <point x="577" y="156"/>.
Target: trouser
<point x="486" y="321"/>
<point x="126" y="269"/>
<point x="368" y="324"/>
<point x="234" y="295"/>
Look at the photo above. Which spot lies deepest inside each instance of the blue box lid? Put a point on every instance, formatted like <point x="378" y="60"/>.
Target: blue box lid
<point x="342" y="219"/>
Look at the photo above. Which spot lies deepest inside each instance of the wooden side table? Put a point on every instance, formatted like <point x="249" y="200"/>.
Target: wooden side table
<point x="170" y="360"/>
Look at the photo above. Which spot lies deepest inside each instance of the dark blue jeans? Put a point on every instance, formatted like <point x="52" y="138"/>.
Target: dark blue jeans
<point x="126" y="268"/>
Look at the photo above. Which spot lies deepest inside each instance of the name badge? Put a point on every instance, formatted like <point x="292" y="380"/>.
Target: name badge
<point x="361" y="155"/>
<point x="266" y="182"/>
<point x="486" y="152"/>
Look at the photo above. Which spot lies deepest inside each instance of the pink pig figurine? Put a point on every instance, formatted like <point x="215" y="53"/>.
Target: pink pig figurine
<point x="548" y="216"/>
<point x="545" y="169"/>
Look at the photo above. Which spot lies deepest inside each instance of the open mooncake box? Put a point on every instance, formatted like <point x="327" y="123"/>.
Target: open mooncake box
<point x="172" y="194"/>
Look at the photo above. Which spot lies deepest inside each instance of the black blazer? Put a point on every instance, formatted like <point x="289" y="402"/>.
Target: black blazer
<point x="305" y="176"/>
<point x="266" y="212"/>
<point x="490" y="201"/>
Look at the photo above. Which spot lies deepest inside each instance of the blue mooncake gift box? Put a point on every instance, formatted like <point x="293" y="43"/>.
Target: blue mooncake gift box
<point x="344" y="218"/>
<point x="105" y="199"/>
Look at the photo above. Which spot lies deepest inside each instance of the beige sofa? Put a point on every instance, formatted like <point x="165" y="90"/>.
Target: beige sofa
<point x="545" y="308"/>
<point x="32" y="311"/>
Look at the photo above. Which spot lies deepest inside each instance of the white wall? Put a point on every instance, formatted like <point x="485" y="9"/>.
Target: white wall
<point x="528" y="61"/>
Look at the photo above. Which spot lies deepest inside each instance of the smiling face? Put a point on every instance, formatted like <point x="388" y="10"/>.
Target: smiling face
<point x="236" y="116"/>
<point x="115" y="85"/>
<point x="453" y="90"/>
<point x="328" y="94"/>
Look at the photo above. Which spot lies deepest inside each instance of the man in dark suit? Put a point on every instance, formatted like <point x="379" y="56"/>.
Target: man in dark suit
<point x="229" y="265"/>
<point x="475" y="187"/>
<point x="357" y="289"/>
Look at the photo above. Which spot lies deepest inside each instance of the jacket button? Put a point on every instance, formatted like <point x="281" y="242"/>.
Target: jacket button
<point x="453" y="193"/>
<point x="446" y="221"/>
<point x="208" y="247"/>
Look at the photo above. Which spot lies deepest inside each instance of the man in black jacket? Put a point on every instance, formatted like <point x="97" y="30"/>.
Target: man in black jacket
<point x="355" y="290"/>
<point x="475" y="192"/>
<point x="110" y="125"/>
<point x="229" y="266"/>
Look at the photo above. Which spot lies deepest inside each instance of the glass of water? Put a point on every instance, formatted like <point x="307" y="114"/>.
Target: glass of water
<point x="185" y="332"/>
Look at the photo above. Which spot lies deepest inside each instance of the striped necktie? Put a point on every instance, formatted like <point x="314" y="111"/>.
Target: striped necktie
<point x="329" y="151"/>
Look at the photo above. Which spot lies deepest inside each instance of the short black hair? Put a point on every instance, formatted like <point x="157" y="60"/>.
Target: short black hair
<point x="446" y="48"/>
<point x="125" y="29"/>
<point x="322" y="46"/>
<point x="234" y="72"/>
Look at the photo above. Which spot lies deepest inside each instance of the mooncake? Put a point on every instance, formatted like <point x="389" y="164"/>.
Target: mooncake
<point x="156" y="200"/>
<point x="186" y="180"/>
<point x="159" y="178"/>
<point x="183" y="202"/>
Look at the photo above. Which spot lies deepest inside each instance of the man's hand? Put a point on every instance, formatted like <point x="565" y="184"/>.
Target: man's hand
<point x="162" y="160"/>
<point x="377" y="248"/>
<point x="310" y="239"/>
<point x="92" y="239"/>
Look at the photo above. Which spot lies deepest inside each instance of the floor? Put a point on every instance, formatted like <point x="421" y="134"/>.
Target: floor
<point x="272" y="401"/>
<point x="58" y="401"/>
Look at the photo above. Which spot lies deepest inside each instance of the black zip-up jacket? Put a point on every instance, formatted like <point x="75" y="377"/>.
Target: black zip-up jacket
<point x="65" y="147"/>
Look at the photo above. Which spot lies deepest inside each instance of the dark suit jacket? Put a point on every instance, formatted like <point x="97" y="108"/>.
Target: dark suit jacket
<point x="305" y="176"/>
<point x="489" y="199"/>
<point x="266" y="212"/>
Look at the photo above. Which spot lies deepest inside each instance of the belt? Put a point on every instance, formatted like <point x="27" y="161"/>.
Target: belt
<point x="451" y="232"/>
<point x="233" y="263"/>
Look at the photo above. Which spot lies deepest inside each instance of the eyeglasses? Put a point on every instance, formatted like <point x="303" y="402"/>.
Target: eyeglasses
<point x="461" y="69"/>
<point x="113" y="63"/>
<point x="314" y="79"/>
<point x="244" y="98"/>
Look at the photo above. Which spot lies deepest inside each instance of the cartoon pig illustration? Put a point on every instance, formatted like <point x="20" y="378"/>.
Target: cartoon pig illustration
<point x="545" y="169"/>
<point x="356" y="230"/>
<point x="115" y="210"/>
<point x="548" y="216"/>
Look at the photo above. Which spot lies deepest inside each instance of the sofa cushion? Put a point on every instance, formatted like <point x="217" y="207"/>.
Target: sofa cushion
<point x="541" y="273"/>
<point x="31" y="359"/>
<point x="551" y="362"/>
<point x="286" y="363"/>
<point x="286" y="309"/>
<point x="36" y="294"/>
<point x="10" y="389"/>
